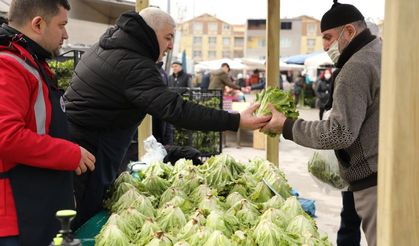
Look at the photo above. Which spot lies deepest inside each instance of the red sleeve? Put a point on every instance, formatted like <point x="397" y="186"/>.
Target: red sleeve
<point x="19" y="142"/>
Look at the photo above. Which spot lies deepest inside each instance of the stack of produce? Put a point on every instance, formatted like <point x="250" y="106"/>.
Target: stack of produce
<point x="222" y="202"/>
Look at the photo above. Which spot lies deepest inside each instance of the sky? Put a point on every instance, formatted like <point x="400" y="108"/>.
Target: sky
<point x="238" y="11"/>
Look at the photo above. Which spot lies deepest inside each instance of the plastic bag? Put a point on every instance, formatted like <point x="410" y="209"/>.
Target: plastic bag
<point x="324" y="166"/>
<point x="154" y="151"/>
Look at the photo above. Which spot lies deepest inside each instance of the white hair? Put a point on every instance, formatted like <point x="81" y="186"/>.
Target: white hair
<point x="156" y="18"/>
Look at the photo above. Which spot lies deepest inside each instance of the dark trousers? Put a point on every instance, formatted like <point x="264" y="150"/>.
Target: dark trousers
<point x="109" y="148"/>
<point x="349" y="233"/>
<point x="9" y="241"/>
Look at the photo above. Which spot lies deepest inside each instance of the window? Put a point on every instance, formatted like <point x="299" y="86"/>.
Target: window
<point x="226" y="41"/>
<point x="311" y="43"/>
<point x="285" y="43"/>
<point x="197" y="27"/>
<point x="262" y="43"/>
<point x="226" y="54"/>
<point x="311" y="29"/>
<point x="238" y="41"/>
<point x="212" y="54"/>
<point x="226" y="27"/>
<point x="197" y="54"/>
<point x="286" y="25"/>
<point x="197" y="40"/>
<point x="212" y="40"/>
<point x="212" y="27"/>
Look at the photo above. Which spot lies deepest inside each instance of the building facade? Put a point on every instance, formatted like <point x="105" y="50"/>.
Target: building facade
<point x="300" y="35"/>
<point x="208" y="38"/>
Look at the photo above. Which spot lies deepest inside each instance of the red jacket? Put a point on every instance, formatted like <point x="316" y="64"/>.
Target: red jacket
<point x="19" y="140"/>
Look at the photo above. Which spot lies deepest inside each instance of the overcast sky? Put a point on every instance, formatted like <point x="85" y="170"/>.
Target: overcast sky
<point x="238" y="11"/>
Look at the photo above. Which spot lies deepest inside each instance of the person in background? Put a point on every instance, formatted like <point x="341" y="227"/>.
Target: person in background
<point x="179" y="78"/>
<point x="352" y="127"/>
<point x="162" y="130"/>
<point x="254" y="78"/>
<point x="221" y="78"/>
<point x="322" y="90"/>
<point x="299" y="85"/>
<point x="37" y="161"/>
<point x="115" y="84"/>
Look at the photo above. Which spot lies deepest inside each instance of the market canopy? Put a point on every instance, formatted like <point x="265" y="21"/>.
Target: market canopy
<point x="216" y="64"/>
<point x="318" y="60"/>
<point x="299" y="59"/>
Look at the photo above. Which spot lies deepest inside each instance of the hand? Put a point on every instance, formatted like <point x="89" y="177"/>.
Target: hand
<point x="276" y="124"/>
<point x="249" y="121"/>
<point x="87" y="161"/>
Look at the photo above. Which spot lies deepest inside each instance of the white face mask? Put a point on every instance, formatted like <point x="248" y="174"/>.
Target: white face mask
<point x="333" y="51"/>
<point x="327" y="76"/>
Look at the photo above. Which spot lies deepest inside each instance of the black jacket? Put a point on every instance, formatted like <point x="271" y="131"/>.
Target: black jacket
<point x="180" y="79"/>
<point x="116" y="83"/>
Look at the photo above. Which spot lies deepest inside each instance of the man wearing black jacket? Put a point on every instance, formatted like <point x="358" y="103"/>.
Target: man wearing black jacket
<point x="179" y="78"/>
<point x="115" y="85"/>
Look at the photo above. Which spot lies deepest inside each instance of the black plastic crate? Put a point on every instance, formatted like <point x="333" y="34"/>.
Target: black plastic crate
<point x="207" y="142"/>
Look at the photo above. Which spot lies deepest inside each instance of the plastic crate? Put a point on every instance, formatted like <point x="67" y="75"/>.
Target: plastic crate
<point x="88" y="231"/>
<point x="209" y="142"/>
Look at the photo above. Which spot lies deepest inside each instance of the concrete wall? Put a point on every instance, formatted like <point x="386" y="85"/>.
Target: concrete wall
<point x="84" y="32"/>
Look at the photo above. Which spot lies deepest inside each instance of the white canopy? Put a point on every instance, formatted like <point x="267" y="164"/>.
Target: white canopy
<point x="216" y="64"/>
<point x="315" y="61"/>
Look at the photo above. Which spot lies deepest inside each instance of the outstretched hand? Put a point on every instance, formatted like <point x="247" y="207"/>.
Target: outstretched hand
<point x="276" y="124"/>
<point x="249" y="121"/>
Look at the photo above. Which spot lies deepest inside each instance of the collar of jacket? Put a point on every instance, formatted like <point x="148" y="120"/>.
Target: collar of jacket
<point x="357" y="43"/>
<point x="9" y="34"/>
<point x="177" y="75"/>
<point x="132" y="32"/>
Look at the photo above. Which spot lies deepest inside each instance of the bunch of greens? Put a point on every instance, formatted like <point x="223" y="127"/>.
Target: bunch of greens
<point x="282" y="101"/>
<point x="326" y="171"/>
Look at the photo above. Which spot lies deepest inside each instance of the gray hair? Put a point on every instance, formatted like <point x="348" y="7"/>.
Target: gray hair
<point x="374" y="29"/>
<point x="156" y="18"/>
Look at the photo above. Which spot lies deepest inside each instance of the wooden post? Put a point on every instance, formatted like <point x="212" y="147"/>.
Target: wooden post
<point x="144" y="130"/>
<point x="272" y="68"/>
<point x="398" y="181"/>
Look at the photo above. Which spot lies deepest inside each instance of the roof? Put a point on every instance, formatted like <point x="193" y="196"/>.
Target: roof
<point x="5" y="5"/>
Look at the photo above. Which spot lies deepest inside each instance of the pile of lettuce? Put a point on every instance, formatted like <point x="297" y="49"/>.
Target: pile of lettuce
<point x="281" y="100"/>
<point x="220" y="203"/>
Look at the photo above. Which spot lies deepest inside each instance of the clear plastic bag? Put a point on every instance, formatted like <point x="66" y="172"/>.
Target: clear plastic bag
<point x="324" y="167"/>
<point x="154" y="151"/>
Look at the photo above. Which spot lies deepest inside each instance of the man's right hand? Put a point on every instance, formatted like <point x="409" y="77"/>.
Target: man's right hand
<point x="87" y="161"/>
<point x="249" y="121"/>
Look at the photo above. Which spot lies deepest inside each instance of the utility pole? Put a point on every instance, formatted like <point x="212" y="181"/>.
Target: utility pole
<point x="398" y="162"/>
<point x="272" y="68"/>
<point x="144" y="130"/>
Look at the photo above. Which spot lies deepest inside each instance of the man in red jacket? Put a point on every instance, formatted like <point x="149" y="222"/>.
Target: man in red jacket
<point x="36" y="160"/>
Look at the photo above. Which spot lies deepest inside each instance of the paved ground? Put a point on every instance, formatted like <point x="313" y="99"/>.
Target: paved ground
<point x="293" y="160"/>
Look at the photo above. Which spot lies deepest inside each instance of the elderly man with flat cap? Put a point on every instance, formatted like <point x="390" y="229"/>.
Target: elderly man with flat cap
<point x="352" y="127"/>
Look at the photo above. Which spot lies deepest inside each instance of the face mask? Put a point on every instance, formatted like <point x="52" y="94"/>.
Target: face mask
<point x="333" y="51"/>
<point x="327" y="76"/>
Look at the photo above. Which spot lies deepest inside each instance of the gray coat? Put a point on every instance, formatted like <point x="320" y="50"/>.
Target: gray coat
<point x="352" y="128"/>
